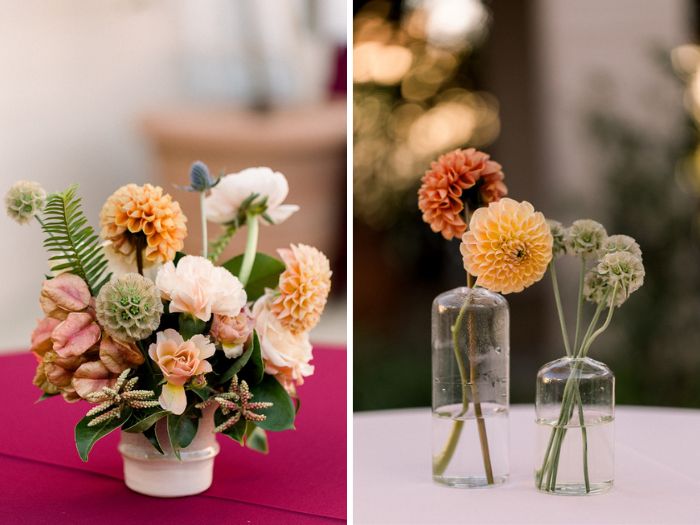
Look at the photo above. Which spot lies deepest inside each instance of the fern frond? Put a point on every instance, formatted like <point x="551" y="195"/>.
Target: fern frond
<point x="73" y="243"/>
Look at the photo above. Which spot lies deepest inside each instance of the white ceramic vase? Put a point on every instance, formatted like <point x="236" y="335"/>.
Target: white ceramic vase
<point x="164" y="475"/>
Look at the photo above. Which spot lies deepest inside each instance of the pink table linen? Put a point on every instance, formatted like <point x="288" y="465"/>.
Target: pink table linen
<point x="302" y="480"/>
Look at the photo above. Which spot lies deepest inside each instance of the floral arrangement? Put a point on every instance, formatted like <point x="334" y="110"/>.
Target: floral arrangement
<point x="145" y="332"/>
<point x="506" y="247"/>
<point x="611" y="269"/>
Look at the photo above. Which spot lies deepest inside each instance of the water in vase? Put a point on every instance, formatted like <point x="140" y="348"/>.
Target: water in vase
<point x="573" y="457"/>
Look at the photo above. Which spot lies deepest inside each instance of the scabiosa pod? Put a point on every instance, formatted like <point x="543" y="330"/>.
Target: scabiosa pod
<point x="621" y="243"/>
<point x="129" y="307"/>
<point x="586" y="237"/>
<point x="560" y="236"/>
<point x="620" y="271"/>
<point x="24" y="200"/>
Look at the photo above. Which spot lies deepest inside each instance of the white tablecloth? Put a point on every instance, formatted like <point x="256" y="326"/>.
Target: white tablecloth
<point x="657" y="474"/>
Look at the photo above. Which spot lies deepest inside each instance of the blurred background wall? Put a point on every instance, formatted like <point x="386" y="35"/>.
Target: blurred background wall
<point x="590" y="108"/>
<point x="105" y="93"/>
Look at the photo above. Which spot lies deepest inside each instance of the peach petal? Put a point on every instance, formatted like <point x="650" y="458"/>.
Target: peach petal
<point x="117" y="356"/>
<point x="65" y="293"/>
<point x="77" y="334"/>
<point x="41" y="336"/>
<point x="173" y="398"/>
<point x="91" y="377"/>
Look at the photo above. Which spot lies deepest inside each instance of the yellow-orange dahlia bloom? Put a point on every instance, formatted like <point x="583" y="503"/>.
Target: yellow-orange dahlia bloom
<point x="303" y="288"/>
<point x="133" y="210"/>
<point x="508" y="246"/>
<point x="459" y="176"/>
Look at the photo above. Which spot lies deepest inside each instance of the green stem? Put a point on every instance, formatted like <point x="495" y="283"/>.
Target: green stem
<point x="250" y="249"/>
<point x="584" y="437"/>
<point x="579" y="307"/>
<point x="594" y="321"/>
<point x="202" y="208"/>
<point x="560" y="310"/>
<point x="571" y="389"/>
<point x="585" y="347"/>
<point x="140" y="241"/>
<point x="220" y="244"/>
<point x="443" y="460"/>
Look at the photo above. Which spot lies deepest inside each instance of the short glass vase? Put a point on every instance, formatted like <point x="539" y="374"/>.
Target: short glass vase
<point x="470" y="365"/>
<point x="575" y="410"/>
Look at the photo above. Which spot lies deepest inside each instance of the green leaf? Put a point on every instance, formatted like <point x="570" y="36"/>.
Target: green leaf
<point x="254" y="370"/>
<point x="238" y="364"/>
<point x="44" y="396"/>
<point x="190" y="326"/>
<point x="73" y="243"/>
<point x="280" y="416"/>
<point x="265" y="273"/>
<point x="151" y="435"/>
<point x="256" y="438"/>
<point x="86" y="437"/>
<point x="236" y="432"/>
<point x="137" y="426"/>
<point x="202" y="393"/>
<point x="181" y="431"/>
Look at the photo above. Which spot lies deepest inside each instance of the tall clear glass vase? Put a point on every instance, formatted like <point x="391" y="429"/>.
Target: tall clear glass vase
<point x="470" y="364"/>
<point x="575" y="407"/>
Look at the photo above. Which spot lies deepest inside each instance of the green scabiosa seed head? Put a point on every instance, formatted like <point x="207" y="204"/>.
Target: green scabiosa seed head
<point x="24" y="200"/>
<point x="129" y="307"/>
<point x="586" y="237"/>
<point x="559" y="238"/>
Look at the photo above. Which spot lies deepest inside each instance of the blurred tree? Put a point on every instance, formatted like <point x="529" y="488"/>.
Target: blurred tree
<point x="653" y="194"/>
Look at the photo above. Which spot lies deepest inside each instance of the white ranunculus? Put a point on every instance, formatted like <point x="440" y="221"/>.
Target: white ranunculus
<point x="197" y="287"/>
<point x="226" y="198"/>
<point x="286" y="355"/>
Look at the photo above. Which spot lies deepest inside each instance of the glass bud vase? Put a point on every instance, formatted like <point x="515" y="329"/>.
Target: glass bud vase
<point x="575" y="408"/>
<point x="470" y="364"/>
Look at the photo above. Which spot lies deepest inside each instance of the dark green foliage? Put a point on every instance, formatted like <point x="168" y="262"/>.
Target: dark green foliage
<point x="655" y="336"/>
<point x="265" y="273"/>
<point x="86" y="437"/>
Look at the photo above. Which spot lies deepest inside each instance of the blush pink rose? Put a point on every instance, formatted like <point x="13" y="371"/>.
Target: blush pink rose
<point x="76" y="335"/>
<point x="233" y="332"/>
<point x="179" y="360"/>
<point x="63" y="294"/>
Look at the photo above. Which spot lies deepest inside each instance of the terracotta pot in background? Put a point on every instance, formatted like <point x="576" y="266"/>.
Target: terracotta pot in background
<point x="307" y="144"/>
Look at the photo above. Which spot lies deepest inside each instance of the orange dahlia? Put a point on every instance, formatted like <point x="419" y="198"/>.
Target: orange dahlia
<point x="133" y="211"/>
<point x="508" y="246"/>
<point x="459" y="177"/>
<point x="304" y="286"/>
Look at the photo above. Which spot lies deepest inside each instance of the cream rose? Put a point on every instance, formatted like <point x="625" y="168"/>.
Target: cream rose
<point x="179" y="360"/>
<point x="197" y="287"/>
<point x="226" y="198"/>
<point x="286" y="355"/>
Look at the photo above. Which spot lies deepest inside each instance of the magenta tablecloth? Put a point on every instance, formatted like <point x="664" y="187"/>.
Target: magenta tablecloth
<point x="42" y="479"/>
